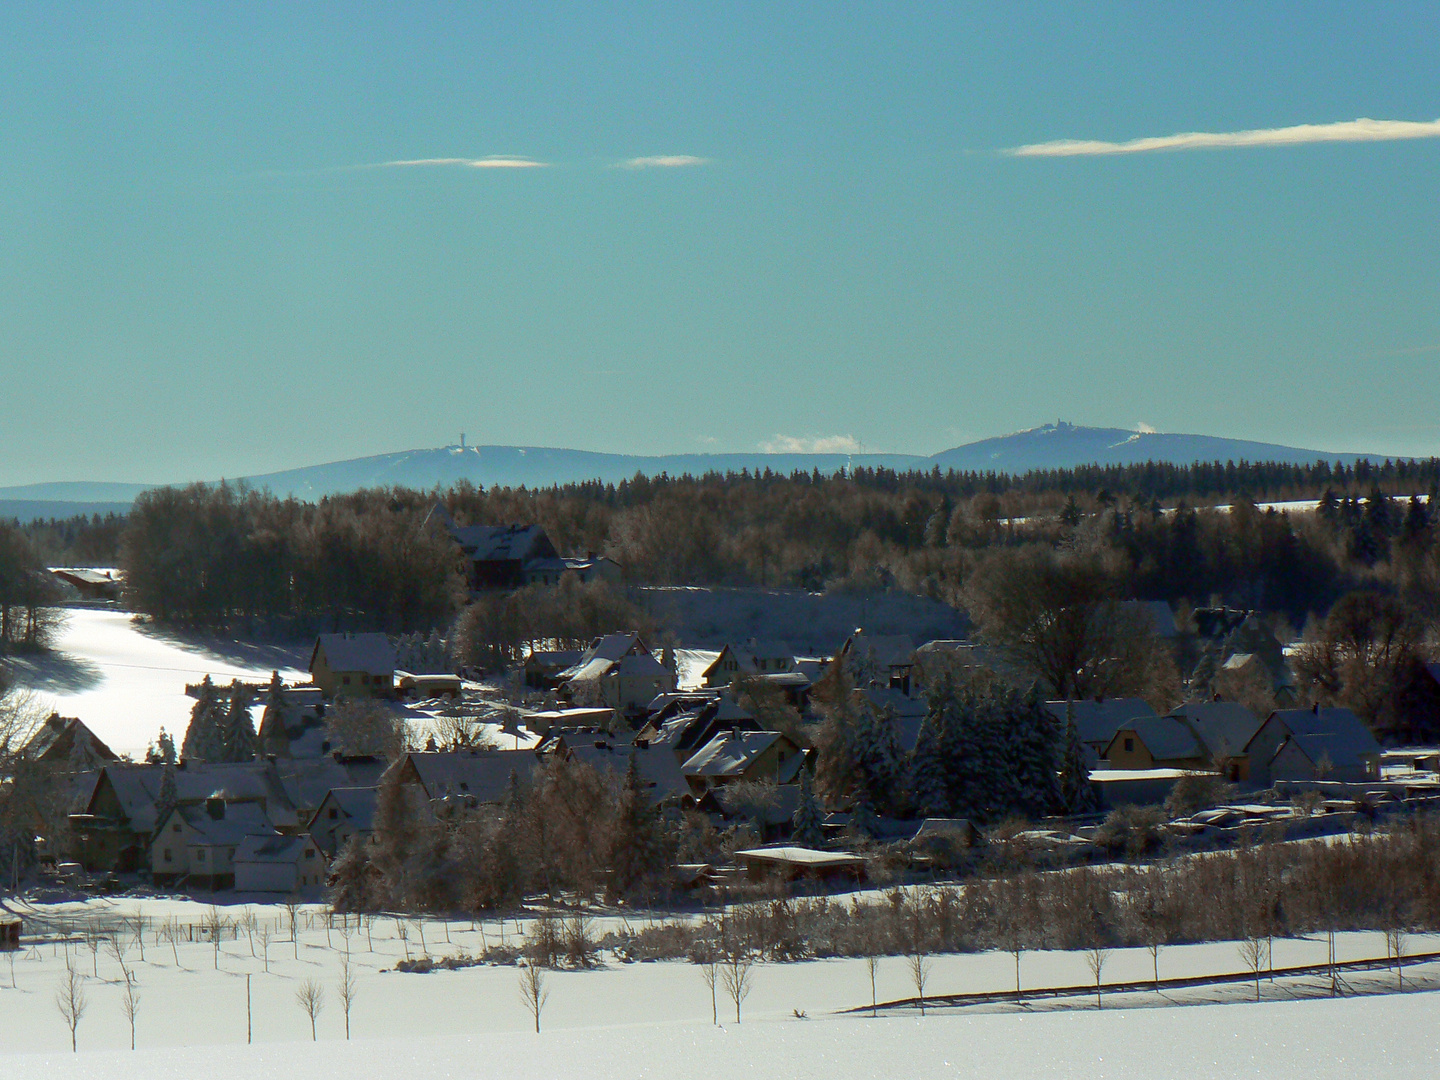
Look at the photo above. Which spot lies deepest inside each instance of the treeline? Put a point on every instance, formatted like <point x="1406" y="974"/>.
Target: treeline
<point x="217" y="555"/>
<point x="26" y="592"/>
<point x="223" y="556"/>
<point x="82" y="540"/>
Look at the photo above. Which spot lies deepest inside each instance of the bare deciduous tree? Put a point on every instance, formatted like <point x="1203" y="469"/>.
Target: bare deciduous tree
<point x="532" y="990"/>
<point x="265" y="934"/>
<point x="1095" y="958"/>
<point x="736" y="974"/>
<point x="872" y="968"/>
<point x="70" y="1000"/>
<point x="130" y="1004"/>
<point x="215" y="924"/>
<point x="707" y="958"/>
<point x="1253" y="950"/>
<point x="347" y="989"/>
<point x="310" y="996"/>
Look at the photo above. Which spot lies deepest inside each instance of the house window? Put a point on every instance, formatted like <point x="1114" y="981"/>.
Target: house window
<point x="168" y="856"/>
<point x="200" y="855"/>
<point x="334" y="814"/>
<point x="1129" y="746"/>
<point x="175" y="827"/>
<point x="345" y="679"/>
<point x="309" y="853"/>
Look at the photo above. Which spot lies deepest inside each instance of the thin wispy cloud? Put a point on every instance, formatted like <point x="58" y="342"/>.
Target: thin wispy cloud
<point x="494" y="161"/>
<point x="662" y="161"/>
<point x="1349" y="131"/>
<point x="817" y="444"/>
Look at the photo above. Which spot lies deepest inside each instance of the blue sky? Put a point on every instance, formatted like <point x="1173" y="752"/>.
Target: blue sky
<point x="207" y="266"/>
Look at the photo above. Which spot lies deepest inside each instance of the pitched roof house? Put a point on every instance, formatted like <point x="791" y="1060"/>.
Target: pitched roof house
<point x="353" y="665"/>
<point x="731" y="756"/>
<point x="276" y="863"/>
<point x="67" y="743"/>
<point x="197" y="843"/>
<point x="1313" y="744"/>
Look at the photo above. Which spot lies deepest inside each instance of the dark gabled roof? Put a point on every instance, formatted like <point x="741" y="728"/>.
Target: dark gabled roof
<point x="371" y="653"/>
<point x="1343" y="749"/>
<point x="1097" y="721"/>
<point x="1168" y="738"/>
<point x="482" y="775"/>
<point x="503" y="543"/>
<point x="241" y="820"/>
<point x="1225" y="727"/>
<point x="655" y="765"/>
<point x="356" y="803"/>
<point x="894" y="650"/>
<point x="1346" y="729"/>
<point x="137" y="787"/>
<point x="271" y="848"/>
<point x="66" y="739"/>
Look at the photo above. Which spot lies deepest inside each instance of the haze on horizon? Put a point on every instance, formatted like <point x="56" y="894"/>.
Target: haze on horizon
<point x="235" y="240"/>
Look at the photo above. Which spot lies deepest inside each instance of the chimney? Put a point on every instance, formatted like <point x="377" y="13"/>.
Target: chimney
<point x="215" y="807"/>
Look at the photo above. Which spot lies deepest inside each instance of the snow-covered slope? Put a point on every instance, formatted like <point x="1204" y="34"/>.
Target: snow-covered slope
<point x="126" y="680"/>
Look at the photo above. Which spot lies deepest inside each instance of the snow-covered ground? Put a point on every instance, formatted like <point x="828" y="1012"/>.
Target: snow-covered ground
<point x="127" y="679"/>
<point x="654" y="1019"/>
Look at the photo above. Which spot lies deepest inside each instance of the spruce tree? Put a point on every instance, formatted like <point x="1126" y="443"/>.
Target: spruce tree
<point x="1033" y="742"/>
<point x="637" y="856"/>
<point x="165" y="801"/>
<point x="807" y="822"/>
<point x="204" y="737"/>
<point x="237" y="736"/>
<point x="1076" y="792"/>
<point x="929" y="777"/>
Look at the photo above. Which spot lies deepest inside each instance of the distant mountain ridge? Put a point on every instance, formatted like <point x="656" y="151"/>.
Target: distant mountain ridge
<point x="1051" y="446"/>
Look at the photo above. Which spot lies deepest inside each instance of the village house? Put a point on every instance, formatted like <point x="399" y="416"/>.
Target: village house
<point x="755" y="658"/>
<point x="1156" y="742"/>
<point x="619" y="671"/>
<point x="89" y="584"/>
<point x="65" y="743"/>
<point x="455" y="781"/>
<point x="734" y="756"/>
<point x="353" y="665"/>
<point x="276" y="863"/>
<point x="1097" y="720"/>
<point x="543" y="667"/>
<point x="293" y="723"/>
<point x="1313" y="744"/>
<point x="875" y="660"/>
<point x="196" y="844"/>
<point x="658" y="772"/>
<point x="789" y="864"/>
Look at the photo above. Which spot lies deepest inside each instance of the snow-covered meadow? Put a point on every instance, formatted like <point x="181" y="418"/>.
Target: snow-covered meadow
<point x="651" y="1019"/>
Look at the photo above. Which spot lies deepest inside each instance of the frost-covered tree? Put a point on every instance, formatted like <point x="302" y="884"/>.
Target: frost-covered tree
<point x="1033" y="754"/>
<point x="168" y="796"/>
<point x="238" y="733"/>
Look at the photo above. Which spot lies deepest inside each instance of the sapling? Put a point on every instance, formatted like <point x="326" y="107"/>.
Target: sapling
<point x="532" y="990"/>
<point x="70" y="1000"/>
<point x="310" y="996"/>
<point x="130" y="1004"/>
<point x="1095" y="958"/>
<point x="346" y="989"/>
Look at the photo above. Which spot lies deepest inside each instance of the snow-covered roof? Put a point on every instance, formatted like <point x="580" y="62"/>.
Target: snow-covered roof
<point x="730" y="753"/>
<point x="503" y="543"/>
<point x="370" y="653"/>
<point x="137" y="787"/>
<point x="801" y="856"/>
<point x="1347" y="730"/>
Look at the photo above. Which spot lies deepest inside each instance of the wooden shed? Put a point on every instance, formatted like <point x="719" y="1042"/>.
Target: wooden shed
<point x="9" y="933"/>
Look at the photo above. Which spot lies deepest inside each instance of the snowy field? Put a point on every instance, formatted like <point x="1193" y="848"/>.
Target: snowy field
<point x="653" y="1019"/>
<point x="127" y="679"/>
